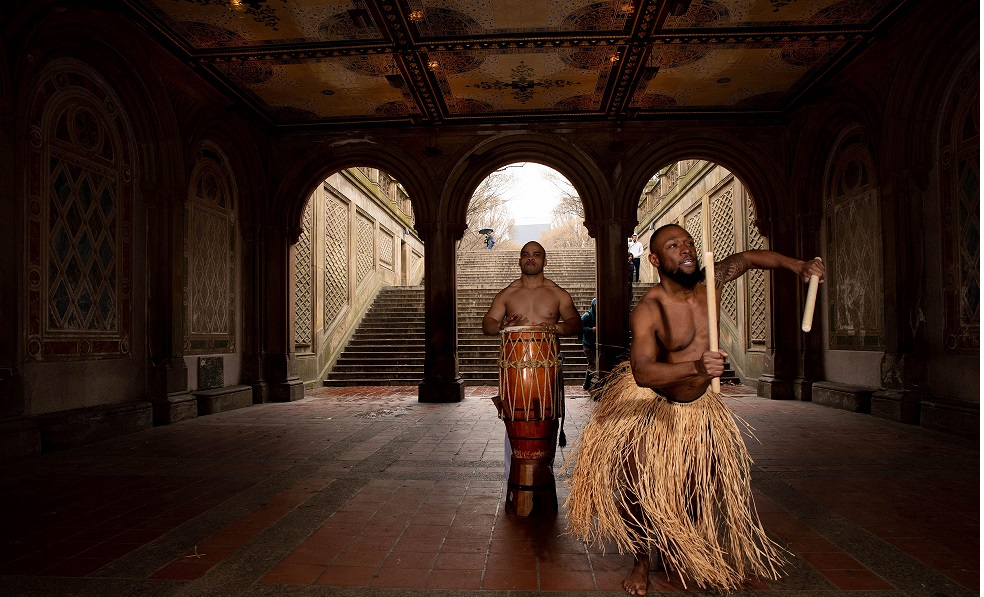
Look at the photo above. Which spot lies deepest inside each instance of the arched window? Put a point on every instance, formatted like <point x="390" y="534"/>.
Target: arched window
<point x="854" y="266"/>
<point x="210" y="257"/>
<point x="79" y="219"/>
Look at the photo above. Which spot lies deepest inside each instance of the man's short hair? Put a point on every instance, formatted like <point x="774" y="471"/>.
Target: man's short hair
<point x="533" y="242"/>
<point x="652" y="239"/>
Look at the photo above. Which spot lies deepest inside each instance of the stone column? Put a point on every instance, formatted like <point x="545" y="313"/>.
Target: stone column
<point x="809" y="224"/>
<point x="903" y="367"/>
<point x="13" y="202"/>
<point x="613" y="290"/>
<point x="269" y="365"/>
<point x="782" y="352"/>
<point x="441" y="381"/>
<point x="167" y="371"/>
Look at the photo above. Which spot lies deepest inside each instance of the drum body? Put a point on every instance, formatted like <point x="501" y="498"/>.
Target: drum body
<point x="529" y="368"/>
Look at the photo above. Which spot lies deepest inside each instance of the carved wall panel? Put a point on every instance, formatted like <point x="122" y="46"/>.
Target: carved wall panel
<point x="693" y="222"/>
<point x="723" y="238"/>
<point x="387" y="248"/>
<point x="365" y="242"/>
<point x="755" y="288"/>
<point x="853" y="241"/>
<point x="210" y="258"/>
<point x="79" y="179"/>
<point x="304" y="279"/>
<point x="336" y="287"/>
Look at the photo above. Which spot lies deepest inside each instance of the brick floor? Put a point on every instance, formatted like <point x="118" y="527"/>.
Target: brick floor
<point x="368" y="489"/>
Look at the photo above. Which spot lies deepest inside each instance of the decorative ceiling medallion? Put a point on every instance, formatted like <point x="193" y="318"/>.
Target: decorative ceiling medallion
<point x="700" y="14"/>
<point x="588" y="58"/>
<point x="457" y="62"/>
<point x="522" y="83"/>
<point x="600" y="16"/>
<point x="847" y="12"/>
<point x="445" y="22"/>
<point x="342" y="26"/>
<point x="206" y="36"/>
<point x="470" y="106"/>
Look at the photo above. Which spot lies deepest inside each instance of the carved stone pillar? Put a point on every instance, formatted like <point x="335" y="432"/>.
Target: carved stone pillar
<point x="167" y="371"/>
<point x="903" y="366"/>
<point x="811" y="348"/>
<point x="12" y="203"/>
<point x="269" y="366"/>
<point x="441" y="381"/>
<point x="614" y="291"/>
<point x="782" y="354"/>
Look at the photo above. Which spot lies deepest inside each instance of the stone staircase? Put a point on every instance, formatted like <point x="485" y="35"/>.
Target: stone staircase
<point x="388" y="346"/>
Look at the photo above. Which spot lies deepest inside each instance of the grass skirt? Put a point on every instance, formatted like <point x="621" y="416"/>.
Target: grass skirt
<point x="689" y="501"/>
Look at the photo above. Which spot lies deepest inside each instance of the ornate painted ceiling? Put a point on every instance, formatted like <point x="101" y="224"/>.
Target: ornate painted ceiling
<point x="354" y="62"/>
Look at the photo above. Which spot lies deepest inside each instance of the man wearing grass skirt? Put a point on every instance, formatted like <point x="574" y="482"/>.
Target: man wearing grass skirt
<point x="661" y="469"/>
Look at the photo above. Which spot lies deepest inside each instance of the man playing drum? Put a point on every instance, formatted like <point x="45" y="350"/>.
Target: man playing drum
<point x="528" y="313"/>
<point x="662" y="466"/>
<point x="533" y="300"/>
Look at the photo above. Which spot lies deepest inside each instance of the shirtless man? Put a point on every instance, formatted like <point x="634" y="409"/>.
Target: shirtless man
<point x="533" y="300"/>
<point x="670" y="337"/>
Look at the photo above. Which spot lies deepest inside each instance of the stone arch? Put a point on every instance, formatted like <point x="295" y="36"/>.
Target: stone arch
<point x="319" y="163"/>
<point x="570" y="161"/>
<point x="757" y="169"/>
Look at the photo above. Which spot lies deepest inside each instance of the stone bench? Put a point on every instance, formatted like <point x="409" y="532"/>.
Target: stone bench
<point x="223" y="399"/>
<point x="83" y="426"/>
<point x="845" y="397"/>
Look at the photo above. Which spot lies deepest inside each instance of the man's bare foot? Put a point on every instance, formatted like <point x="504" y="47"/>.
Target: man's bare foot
<point x="637" y="582"/>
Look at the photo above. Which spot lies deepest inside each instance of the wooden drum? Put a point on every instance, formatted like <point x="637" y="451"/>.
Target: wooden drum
<point x="529" y="369"/>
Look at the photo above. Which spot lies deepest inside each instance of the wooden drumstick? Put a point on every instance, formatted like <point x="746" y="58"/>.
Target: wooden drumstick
<point x="712" y="323"/>
<point x="811" y="302"/>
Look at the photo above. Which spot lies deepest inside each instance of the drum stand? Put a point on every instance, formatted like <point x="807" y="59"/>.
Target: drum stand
<point x="531" y="488"/>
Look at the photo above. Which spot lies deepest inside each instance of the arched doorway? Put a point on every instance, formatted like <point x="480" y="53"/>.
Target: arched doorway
<point x="357" y="237"/>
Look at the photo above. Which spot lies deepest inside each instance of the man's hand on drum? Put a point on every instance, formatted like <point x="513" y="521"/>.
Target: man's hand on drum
<point x="512" y="320"/>
<point x="547" y="327"/>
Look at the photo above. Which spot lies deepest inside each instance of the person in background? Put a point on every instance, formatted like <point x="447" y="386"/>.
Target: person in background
<point x="636" y="250"/>
<point x="589" y="328"/>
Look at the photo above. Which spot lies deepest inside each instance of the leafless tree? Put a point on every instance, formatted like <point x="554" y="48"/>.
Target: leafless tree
<point x="487" y="209"/>
<point x="570" y="203"/>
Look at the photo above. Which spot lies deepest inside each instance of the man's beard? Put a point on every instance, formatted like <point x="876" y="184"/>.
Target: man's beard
<point x="683" y="278"/>
<point x="531" y="269"/>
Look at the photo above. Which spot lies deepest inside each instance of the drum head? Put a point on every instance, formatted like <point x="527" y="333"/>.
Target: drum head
<point x="523" y="328"/>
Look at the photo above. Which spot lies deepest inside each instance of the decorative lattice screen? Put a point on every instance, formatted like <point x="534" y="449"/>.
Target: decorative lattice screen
<point x="364" y="256"/>
<point x="336" y="258"/>
<point x="723" y="236"/>
<point x="755" y="289"/>
<point x="303" y="280"/>
<point x="387" y="246"/>
<point x="693" y="224"/>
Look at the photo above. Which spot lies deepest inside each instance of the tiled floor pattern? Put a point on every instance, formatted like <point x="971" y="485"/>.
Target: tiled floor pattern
<point x="367" y="488"/>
